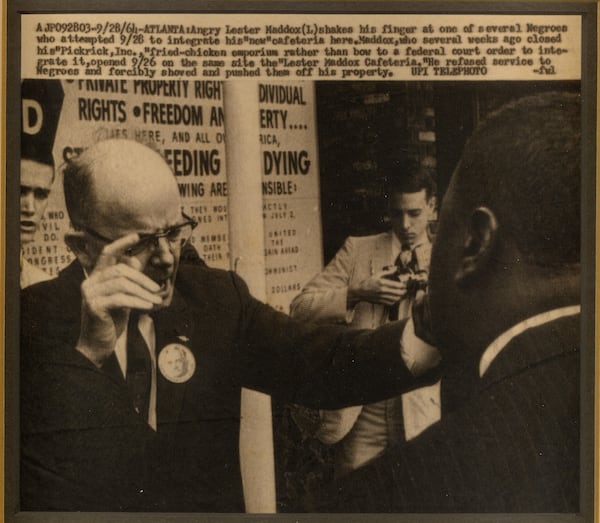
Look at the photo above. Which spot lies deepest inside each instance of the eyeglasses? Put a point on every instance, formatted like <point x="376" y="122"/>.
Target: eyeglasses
<point x="177" y="236"/>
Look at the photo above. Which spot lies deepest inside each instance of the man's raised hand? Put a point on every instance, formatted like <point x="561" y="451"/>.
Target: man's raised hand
<point x="114" y="287"/>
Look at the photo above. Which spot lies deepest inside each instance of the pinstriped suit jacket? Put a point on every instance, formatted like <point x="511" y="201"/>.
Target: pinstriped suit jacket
<point x="508" y="444"/>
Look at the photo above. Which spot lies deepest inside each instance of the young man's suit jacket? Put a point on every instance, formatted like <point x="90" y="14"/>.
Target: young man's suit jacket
<point x="365" y="431"/>
<point x="84" y="448"/>
<point x="323" y="299"/>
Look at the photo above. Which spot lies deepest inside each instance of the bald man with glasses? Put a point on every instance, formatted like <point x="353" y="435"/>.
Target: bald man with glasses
<point x="109" y="420"/>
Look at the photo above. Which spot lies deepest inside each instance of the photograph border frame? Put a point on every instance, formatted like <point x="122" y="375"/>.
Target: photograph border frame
<point x="589" y="367"/>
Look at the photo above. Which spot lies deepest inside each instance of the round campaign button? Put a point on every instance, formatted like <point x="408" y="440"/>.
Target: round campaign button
<point x="176" y="363"/>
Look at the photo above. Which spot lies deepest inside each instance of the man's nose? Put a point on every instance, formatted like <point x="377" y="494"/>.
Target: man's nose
<point x="163" y="252"/>
<point x="406" y="222"/>
<point x="28" y="203"/>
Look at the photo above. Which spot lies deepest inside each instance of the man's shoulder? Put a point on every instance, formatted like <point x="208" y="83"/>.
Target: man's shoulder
<point x="30" y="274"/>
<point x="201" y="282"/>
<point x="50" y="313"/>
<point x="371" y="239"/>
<point x="204" y="275"/>
<point x="59" y="290"/>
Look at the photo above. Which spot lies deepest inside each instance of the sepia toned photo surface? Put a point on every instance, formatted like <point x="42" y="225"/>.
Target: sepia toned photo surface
<point x="311" y="262"/>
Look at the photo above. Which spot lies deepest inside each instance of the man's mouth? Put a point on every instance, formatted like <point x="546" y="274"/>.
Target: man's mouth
<point x="165" y="285"/>
<point x="165" y="279"/>
<point x="28" y="225"/>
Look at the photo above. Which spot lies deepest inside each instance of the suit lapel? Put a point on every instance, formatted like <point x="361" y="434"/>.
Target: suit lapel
<point x="423" y="253"/>
<point x="381" y="258"/>
<point x="66" y="322"/>
<point x="382" y="253"/>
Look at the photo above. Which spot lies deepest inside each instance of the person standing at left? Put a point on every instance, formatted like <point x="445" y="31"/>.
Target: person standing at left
<point x="41" y="103"/>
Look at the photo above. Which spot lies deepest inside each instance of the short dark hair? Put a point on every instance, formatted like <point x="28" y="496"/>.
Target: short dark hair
<point x="524" y="163"/>
<point x="45" y="164"/>
<point x="407" y="176"/>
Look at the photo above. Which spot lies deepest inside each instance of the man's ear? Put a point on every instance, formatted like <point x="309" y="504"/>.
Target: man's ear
<point x="432" y="205"/>
<point x="432" y="202"/>
<point x="79" y="244"/>
<point x="479" y="244"/>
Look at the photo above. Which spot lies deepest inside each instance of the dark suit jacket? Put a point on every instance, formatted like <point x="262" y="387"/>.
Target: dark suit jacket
<point x="510" y="443"/>
<point x="84" y="448"/>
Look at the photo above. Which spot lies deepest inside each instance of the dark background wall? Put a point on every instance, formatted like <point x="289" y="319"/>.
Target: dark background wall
<point x="362" y="123"/>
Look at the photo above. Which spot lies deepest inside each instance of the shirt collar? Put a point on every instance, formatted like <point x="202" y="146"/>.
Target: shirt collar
<point x="397" y="246"/>
<point x="496" y="347"/>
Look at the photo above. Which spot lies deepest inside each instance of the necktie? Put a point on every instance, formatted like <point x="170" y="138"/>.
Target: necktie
<point x="404" y="258"/>
<point x="414" y="263"/>
<point x="139" y="367"/>
<point x="407" y="259"/>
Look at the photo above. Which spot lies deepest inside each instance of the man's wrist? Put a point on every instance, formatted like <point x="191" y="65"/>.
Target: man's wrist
<point x="353" y="297"/>
<point x="418" y="355"/>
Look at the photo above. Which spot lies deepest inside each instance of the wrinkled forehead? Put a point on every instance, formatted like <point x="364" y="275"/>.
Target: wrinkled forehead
<point x="36" y="175"/>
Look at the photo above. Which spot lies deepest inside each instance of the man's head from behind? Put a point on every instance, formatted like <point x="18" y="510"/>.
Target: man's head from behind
<point x="119" y="187"/>
<point x="410" y="193"/>
<point x="507" y="243"/>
